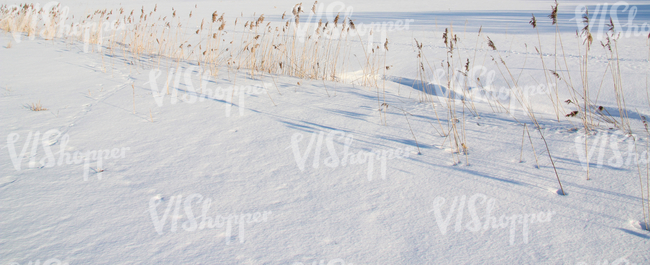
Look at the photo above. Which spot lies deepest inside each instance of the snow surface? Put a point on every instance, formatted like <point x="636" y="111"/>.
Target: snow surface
<point x="243" y="154"/>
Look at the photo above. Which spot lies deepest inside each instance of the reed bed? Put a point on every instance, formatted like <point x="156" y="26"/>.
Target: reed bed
<point x="307" y="50"/>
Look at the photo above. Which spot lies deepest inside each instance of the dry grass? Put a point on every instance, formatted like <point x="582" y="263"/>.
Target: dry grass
<point x="305" y="49"/>
<point x="36" y="106"/>
<point x="521" y="98"/>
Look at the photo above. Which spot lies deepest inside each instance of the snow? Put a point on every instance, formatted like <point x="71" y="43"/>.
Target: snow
<point x="275" y="169"/>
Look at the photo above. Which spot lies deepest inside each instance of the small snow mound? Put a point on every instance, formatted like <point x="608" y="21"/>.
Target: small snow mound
<point x="159" y="197"/>
<point x="641" y="225"/>
<point x="559" y="192"/>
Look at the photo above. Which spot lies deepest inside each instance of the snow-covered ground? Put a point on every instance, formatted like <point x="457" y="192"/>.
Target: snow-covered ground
<point x="147" y="159"/>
